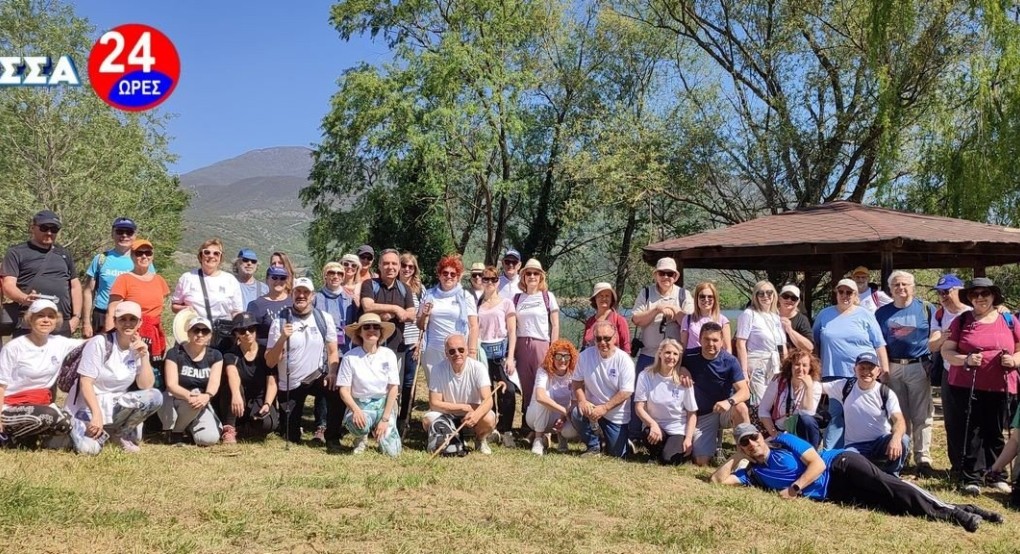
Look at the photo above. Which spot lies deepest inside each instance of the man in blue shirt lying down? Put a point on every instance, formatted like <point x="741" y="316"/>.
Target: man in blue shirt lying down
<point x="789" y="465"/>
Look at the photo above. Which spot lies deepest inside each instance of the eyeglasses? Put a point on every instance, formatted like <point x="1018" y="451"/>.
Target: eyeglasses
<point x="511" y="262"/>
<point x="665" y="274"/>
<point x="334" y="273"/>
<point x="979" y="293"/>
<point x="746" y="439"/>
<point x="212" y="253"/>
<point x="705" y="297"/>
<point x="277" y="278"/>
<point x="245" y="331"/>
<point x="200" y="331"/>
<point x="453" y="351"/>
<point x="604" y="339"/>
<point x="447" y="273"/>
<point x="125" y="232"/>
<point x="143" y="253"/>
<point x="407" y="266"/>
<point x="349" y="264"/>
<point x="788" y="297"/>
<point x="561" y="356"/>
<point x="765" y="293"/>
<point x="490" y="280"/>
<point x="371" y="327"/>
<point x="51" y="229"/>
<point x="249" y="261"/>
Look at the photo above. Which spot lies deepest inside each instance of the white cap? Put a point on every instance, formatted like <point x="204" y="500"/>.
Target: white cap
<point x="304" y="283"/>
<point x="42" y="304"/>
<point x="199" y="320"/>
<point x="848" y="283"/>
<point x="666" y="264"/>
<point x="128" y="307"/>
<point x="791" y="289"/>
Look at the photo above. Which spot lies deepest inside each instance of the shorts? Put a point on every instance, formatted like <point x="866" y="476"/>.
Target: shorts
<point x="707" y="432"/>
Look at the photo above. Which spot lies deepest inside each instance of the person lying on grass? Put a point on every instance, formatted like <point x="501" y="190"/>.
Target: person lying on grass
<point x="790" y="465"/>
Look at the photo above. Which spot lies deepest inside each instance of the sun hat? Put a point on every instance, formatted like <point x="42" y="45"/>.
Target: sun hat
<point x="199" y="320"/>
<point x="243" y="320"/>
<point x="742" y="430"/>
<point x="867" y="358"/>
<point x="180" y="325"/>
<point x="140" y="243"/>
<point x="41" y="304"/>
<point x="477" y="267"/>
<point x="666" y="264"/>
<point x="353" y="330"/>
<point x="304" y="283"/>
<point x="512" y="253"/>
<point x="599" y="287"/>
<point x="533" y="265"/>
<point x="982" y="283"/>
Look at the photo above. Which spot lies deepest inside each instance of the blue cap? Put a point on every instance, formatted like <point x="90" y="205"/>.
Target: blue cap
<point x="124" y="223"/>
<point x="248" y="253"/>
<point x="867" y="358"/>
<point x="949" y="282"/>
<point x="511" y="253"/>
<point x="277" y="271"/>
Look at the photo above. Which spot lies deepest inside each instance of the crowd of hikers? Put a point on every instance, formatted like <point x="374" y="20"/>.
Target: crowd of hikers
<point x="835" y="407"/>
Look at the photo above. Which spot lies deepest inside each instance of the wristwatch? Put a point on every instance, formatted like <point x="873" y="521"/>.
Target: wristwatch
<point x="796" y="489"/>
<point x="732" y="403"/>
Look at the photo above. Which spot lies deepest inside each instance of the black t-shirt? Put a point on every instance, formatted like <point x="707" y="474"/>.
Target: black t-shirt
<point x="46" y="274"/>
<point x="265" y="311"/>
<point x="802" y="325"/>
<point x="253" y="373"/>
<point x="192" y="374"/>
<point x="393" y="297"/>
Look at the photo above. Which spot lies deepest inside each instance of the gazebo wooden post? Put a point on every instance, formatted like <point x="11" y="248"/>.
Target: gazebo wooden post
<point x="887" y="269"/>
<point x="811" y="280"/>
<point x="979" y="271"/>
<point x="680" y="271"/>
<point x="838" y="267"/>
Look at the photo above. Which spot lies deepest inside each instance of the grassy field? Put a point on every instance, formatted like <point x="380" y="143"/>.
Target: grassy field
<point x="263" y="497"/>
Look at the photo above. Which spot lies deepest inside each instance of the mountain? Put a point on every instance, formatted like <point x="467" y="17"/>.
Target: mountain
<point x="250" y="201"/>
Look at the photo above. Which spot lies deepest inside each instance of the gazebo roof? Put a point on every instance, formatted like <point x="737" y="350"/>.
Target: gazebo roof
<point x="808" y="238"/>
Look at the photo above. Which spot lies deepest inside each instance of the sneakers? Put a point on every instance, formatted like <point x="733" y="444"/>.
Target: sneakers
<point x="592" y="452"/>
<point x="483" y="446"/>
<point x="229" y="435"/>
<point x="360" y="444"/>
<point x="538" y="446"/>
<point x="563" y="445"/>
<point x="128" y="446"/>
<point x="333" y="446"/>
<point x="319" y="436"/>
<point x="508" y="440"/>
<point x="925" y="470"/>
<point x="997" y="480"/>
<point x="970" y="489"/>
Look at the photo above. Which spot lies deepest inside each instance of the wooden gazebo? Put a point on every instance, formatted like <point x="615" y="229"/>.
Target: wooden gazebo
<point x="838" y="236"/>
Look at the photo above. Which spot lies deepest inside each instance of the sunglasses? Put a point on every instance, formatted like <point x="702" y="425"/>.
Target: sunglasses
<point x="245" y="331"/>
<point x="212" y="253"/>
<point x="511" y="262"/>
<point x="124" y="232"/>
<point x="490" y="279"/>
<point x="604" y="339"/>
<point x="746" y="439"/>
<point x="200" y="331"/>
<point x="844" y="292"/>
<point x="407" y="266"/>
<point x="476" y="275"/>
<point x="129" y="319"/>
<point x="143" y="253"/>
<point x="366" y="257"/>
<point x="371" y="327"/>
<point x="277" y="278"/>
<point x="944" y="292"/>
<point x="453" y="351"/>
<point x="788" y="297"/>
<point x="334" y="273"/>
<point x="52" y="229"/>
<point x="447" y="273"/>
<point x="349" y="264"/>
<point x="531" y="274"/>
<point x="562" y="356"/>
<point x="249" y="261"/>
<point x="979" y="293"/>
<point x="705" y="297"/>
<point x="665" y="274"/>
<point x="765" y="293"/>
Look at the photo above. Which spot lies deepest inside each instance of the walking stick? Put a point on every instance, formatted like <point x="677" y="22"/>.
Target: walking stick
<point x="446" y="442"/>
<point x="414" y="380"/>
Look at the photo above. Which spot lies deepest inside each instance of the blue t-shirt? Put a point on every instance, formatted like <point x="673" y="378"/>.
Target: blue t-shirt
<point x="250" y="292"/>
<point x="114" y="265"/>
<point x="905" y="330"/>
<point x="841" y="338"/>
<point x="265" y="311"/>
<point x="784" y="466"/>
<point x="713" y="379"/>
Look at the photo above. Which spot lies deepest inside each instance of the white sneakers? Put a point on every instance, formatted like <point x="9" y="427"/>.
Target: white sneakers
<point x="483" y="446"/>
<point x="361" y="444"/>
<point x="538" y="445"/>
<point x="508" y="440"/>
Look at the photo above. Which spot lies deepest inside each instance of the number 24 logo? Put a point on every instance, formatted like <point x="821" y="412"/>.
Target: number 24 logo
<point x="140" y="55"/>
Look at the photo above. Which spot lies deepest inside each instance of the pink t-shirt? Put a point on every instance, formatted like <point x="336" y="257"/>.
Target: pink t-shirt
<point x="990" y="339"/>
<point x="492" y="321"/>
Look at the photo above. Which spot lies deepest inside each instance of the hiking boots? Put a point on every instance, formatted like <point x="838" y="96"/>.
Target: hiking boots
<point x="229" y="434"/>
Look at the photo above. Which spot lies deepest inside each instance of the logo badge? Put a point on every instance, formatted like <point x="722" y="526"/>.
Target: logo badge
<point x="134" y="67"/>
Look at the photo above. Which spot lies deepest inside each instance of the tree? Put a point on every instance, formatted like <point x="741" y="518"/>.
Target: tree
<point x="65" y="150"/>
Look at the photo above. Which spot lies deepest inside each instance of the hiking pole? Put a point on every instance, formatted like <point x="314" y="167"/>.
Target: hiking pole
<point x="414" y="379"/>
<point x="970" y="406"/>
<point x="289" y="406"/>
<point x="446" y="441"/>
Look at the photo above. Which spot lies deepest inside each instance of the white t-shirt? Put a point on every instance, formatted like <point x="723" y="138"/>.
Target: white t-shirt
<point x="368" y="375"/>
<point x="604" y="377"/>
<point x="650" y="334"/>
<point x="25" y="366"/>
<point x="509" y="287"/>
<point x="863" y="416"/>
<point x="775" y="397"/>
<point x="667" y="402"/>
<point x="460" y="389"/>
<point x="557" y="387"/>
<point x="943" y="326"/>
<point x="532" y="316"/>
<point x="112" y="377"/>
<point x="307" y="349"/>
<point x="762" y="330"/>
<point x="443" y="318"/>
<point x="225" y="298"/>
<point x="868" y="302"/>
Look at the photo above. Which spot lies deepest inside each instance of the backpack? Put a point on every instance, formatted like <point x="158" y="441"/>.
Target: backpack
<point x="883" y="391"/>
<point x="320" y="322"/>
<point x="441" y="428"/>
<point x="67" y="378"/>
<point x="376" y="287"/>
<point x="545" y="298"/>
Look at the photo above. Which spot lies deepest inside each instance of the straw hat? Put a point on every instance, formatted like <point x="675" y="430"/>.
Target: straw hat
<point x="181" y="321"/>
<point x="353" y="330"/>
<point x="533" y="265"/>
<point x="599" y="287"/>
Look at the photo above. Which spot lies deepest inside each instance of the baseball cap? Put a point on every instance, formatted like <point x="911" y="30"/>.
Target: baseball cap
<point x="304" y="283"/>
<point x="848" y="283"/>
<point x="199" y="320"/>
<point x="512" y="253"/>
<point x="860" y="269"/>
<point x="666" y="264"/>
<point x="791" y="289"/>
<point x="128" y="307"/>
<point x="276" y="271"/>
<point x="42" y="304"/>
<point x="46" y="217"/>
<point x="366" y="249"/>
<point x="742" y="430"/>
<point x="867" y="358"/>
<point x="949" y="281"/>
<point x="124" y="223"/>
<point x="140" y="243"/>
<point x="248" y="253"/>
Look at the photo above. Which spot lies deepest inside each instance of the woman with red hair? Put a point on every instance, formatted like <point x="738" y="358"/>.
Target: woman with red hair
<point x="550" y="411"/>
<point x="447" y="309"/>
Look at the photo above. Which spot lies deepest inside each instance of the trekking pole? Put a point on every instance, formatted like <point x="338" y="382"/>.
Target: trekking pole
<point x="289" y="407"/>
<point x="414" y="379"/>
<point x="446" y="441"/>
<point x="970" y="406"/>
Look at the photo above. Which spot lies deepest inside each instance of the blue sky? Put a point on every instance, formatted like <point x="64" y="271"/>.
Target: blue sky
<point x="254" y="74"/>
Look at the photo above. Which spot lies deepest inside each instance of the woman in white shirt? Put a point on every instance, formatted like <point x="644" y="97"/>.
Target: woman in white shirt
<point x="218" y="301"/>
<point x="538" y="325"/>
<point x="550" y="412"/>
<point x="369" y="380"/>
<point x="29" y="366"/>
<point x="100" y="402"/>
<point x="791" y="400"/>
<point x="761" y="341"/>
<point x="445" y="310"/>
<point x="668" y="410"/>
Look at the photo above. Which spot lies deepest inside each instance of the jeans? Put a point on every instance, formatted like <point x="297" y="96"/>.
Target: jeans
<point x="875" y="452"/>
<point x="616" y="437"/>
<point x="833" y="437"/>
<point x="634" y="428"/>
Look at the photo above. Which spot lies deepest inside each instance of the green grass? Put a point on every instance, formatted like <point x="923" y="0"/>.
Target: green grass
<point x="261" y="497"/>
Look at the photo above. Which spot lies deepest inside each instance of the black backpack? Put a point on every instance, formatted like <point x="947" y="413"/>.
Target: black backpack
<point x="883" y="391"/>
<point x="444" y="426"/>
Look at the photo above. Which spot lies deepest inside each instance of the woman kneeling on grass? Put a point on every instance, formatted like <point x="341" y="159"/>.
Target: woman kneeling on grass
<point x="550" y="412"/>
<point x="29" y="366"/>
<point x="193" y="373"/>
<point x="100" y="402"/>
<point x="369" y="380"/>
<point x="667" y="409"/>
<point x="250" y="398"/>
<point x="791" y="400"/>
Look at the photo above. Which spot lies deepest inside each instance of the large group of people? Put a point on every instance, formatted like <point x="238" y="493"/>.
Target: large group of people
<point x="835" y="409"/>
